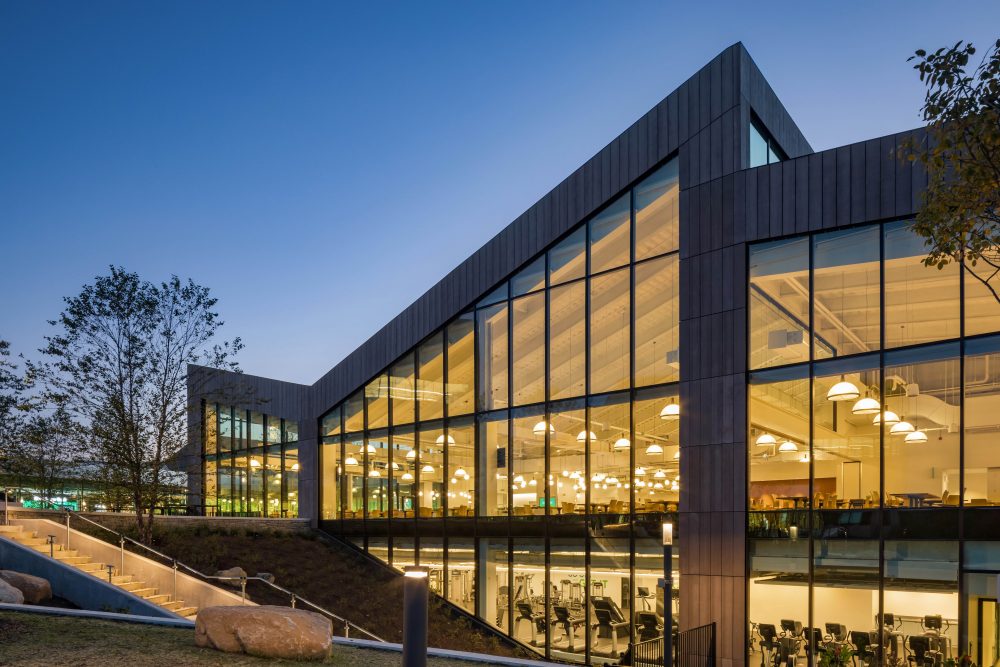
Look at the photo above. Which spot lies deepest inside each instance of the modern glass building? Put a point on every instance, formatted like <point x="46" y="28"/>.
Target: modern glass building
<point x="707" y="324"/>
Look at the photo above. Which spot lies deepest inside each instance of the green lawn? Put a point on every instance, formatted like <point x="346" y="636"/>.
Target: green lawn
<point x="44" y="641"/>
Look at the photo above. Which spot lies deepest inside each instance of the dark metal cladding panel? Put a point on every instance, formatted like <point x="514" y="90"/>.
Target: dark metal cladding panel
<point x="887" y="171"/>
<point x="857" y="194"/>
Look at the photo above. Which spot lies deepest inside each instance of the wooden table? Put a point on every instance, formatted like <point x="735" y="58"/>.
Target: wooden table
<point x="918" y="499"/>
<point x="796" y="500"/>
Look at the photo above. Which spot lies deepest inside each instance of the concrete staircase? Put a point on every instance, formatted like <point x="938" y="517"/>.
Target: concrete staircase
<point x="87" y="564"/>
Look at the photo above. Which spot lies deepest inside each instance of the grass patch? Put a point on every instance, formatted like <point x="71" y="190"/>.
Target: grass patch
<point x="34" y="640"/>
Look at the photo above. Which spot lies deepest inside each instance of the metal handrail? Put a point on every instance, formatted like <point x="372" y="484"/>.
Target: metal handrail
<point x="122" y="538"/>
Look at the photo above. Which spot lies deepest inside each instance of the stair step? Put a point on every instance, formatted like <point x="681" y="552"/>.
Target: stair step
<point x="173" y="605"/>
<point x="95" y="568"/>
<point x="66" y="553"/>
<point x="10" y="529"/>
<point x="120" y="579"/>
<point x="73" y="560"/>
<point x="187" y="612"/>
<point x="159" y="598"/>
<point x="30" y="541"/>
<point x="144" y="592"/>
<point x="133" y="586"/>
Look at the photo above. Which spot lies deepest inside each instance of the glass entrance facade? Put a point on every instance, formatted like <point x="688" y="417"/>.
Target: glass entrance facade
<point x="874" y="415"/>
<point x="527" y="452"/>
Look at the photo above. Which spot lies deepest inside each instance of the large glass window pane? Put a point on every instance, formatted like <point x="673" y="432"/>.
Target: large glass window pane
<point x="845" y="455"/>
<point x="225" y="428"/>
<point x="272" y="482"/>
<point x="211" y="429"/>
<point x="845" y="591"/>
<point x="568" y="258"/>
<point x="528" y="470"/>
<point x="461" y="467"/>
<point x="241" y="429"/>
<point x="609" y="236"/>
<point x="529" y="592"/>
<point x="461" y="365"/>
<point x="224" y="500"/>
<point x="377" y="472"/>
<point x="846" y="292"/>
<point x="609" y="332"/>
<point x="291" y="431"/>
<point x="403" y="388"/>
<point x="494" y="444"/>
<point x="430" y="385"/>
<point x="494" y="580"/>
<point x="568" y="344"/>
<point x="354" y="477"/>
<point x="241" y="491"/>
<point x="657" y="212"/>
<point x="330" y="478"/>
<point x="657" y="454"/>
<point x="758" y="148"/>
<point x="404" y="472"/>
<point x="432" y="557"/>
<point x="921" y="302"/>
<point x="778" y="442"/>
<point x="404" y="552"/>
<point x="377" y="398"/>
<point x="273" y="429"/>
<point x="430" y="488"/>
<point x="331" y="423"/>
<point x="528" y="314"/>
<point x="648" y="598"/>
<point x="982" y="423"/>
<point x="354" y="413"/>
<point x="567" y="457"/>
<point x="921" y="580"/>
<point x="500" y="293"/>
<point x="211" y="487"/>
<point x="657" y="304"/>
<point x="922" y="464"/>
<point x="982" y="306"/>
<point x="530" y="279"/>
<point x="566" y="577"/>
<point x="492" y="338"/>
<point x="779" y="303"/>
<point x="256" y="430"/>
<point x="778" y="596"/>
<point x="461" y="572"/>
<point x="609" y="594"/>
<point x="610" y="473"/>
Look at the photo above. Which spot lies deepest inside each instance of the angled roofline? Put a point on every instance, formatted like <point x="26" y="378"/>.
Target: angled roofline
<point x="704" y="121"/>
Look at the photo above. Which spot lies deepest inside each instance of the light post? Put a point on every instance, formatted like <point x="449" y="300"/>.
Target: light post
<point x="668" y="588"/>
<point x="415" y="616"/>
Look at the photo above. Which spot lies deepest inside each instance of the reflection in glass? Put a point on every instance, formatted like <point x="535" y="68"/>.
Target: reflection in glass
<point x="609" y="237"/>
<point x="402" y="387"/>
<point x="461" y="388"/>
<point x="657" y="212"/>
<point x="779" y="303"/>
<point x="492" y="338"/>
<point x="568" y="258"/>
<point x="846" y="292"/>
<point x="530" y="279"/>
<point x="568" y="340"/>
<point x="332" y="468"/>
<point x="609" y="332"/>
<point x="657" y="305"/>
<point x="211" y="422"/>
<point x="528" y="319"/>
<point x="921" y="302"/>
<point x="430" y="382"/>
<point x="354" y="413"/>
<point x="377" y="399"/>
<point x="494" y="579"/>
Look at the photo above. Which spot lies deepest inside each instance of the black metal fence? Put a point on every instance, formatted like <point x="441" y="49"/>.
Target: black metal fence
<point x="647" y="654"/>
<point x="697" y="647"/>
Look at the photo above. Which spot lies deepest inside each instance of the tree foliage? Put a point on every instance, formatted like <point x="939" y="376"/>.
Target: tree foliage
<point x="960" y="214"/>
<point x="118" y="362"/>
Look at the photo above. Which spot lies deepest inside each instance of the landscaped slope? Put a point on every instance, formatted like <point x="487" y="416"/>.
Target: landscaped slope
<point x="328" y="573"/>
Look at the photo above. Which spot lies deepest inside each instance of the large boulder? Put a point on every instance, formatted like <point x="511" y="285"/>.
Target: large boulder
<point x="265" y="631"/>
<point x="231" y="572"/>
<point x="35" y="589"/>
<point x="9" y="594"/>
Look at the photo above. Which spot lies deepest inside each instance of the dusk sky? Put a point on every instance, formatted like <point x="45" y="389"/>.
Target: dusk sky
<point x="320" y="165"/>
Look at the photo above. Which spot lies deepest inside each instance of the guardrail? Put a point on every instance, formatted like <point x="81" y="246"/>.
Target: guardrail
<point x="178" y="565"/>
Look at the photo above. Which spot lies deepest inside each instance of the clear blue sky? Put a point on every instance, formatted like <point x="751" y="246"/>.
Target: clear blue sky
<point x="320" y="165"/>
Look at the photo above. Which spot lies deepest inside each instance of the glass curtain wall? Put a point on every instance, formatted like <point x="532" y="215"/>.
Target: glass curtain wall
<point x="243" y="454"/>
<point x="551" y="402"/>
<point x="870" y="447"/>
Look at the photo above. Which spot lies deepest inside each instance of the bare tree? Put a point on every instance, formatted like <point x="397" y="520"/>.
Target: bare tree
<point x="119" y="362"/>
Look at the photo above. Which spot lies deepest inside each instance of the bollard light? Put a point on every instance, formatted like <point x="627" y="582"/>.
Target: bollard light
<point x="668" y="590"/>
<point x="415" y="616"/>
<point x="668" y="534"/>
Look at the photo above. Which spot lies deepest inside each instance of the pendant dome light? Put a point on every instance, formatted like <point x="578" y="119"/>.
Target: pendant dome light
<point x="788" y="446"/>
<point x="428" y="468"/>
<point x="671" y="411"/>
<point x="660" y="474"/>
<point x="611" y="480"/>
<point x="766" y="440"/>
<point x="374" y="473"/>
<point x="640" y="471"/>
<point x="888" y="417"/>
<point x="460" y="472"/>
<point x="675" y="485"/>
<point x="370" y="448"/>
<point x="441" y="439"/>
<point x="866" y="406"/>
<point x="901" y="428"/>
<point x="583" y="436"/>
<point x="407" y="477"/>
<point x="350" y="461"/>
<point x="654" y="449"/>
<point x="622" y="443"/>
<point x="915" y="438"/>
<point x="677" y="455"/>
<point x="412" y="454"/>
<point x="539" y="428"/>
<point x="843" y="391"/>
